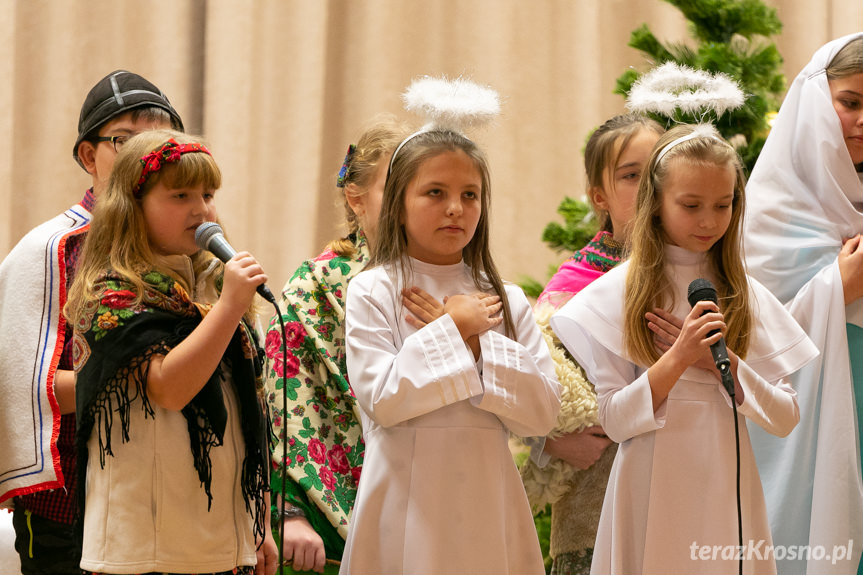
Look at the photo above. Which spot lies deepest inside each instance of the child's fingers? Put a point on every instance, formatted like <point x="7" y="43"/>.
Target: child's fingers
<point x="703" y="307"/>
<point x="713" y="338"/>
<point x="414" y="322"/>
<point x="242" y="257"/>
<point x="667" y="321"/>
<point x="664" y="330"/>
<point x="255" y="275"/>
<point x="594" y="430"/>
<point x="420" y="315"/>
<point x="420" y="295"/>
<point x="245" y="261"/>
<point x="488" y="298"/>
<point x="424" y="300"/>
<point x="709" y="323"/>
<point x="245" y="269"/>
<point x="660" y="335"/>
<point x="422" y="305"/>
<point x="850" y="245"/>
<point x="409" y="301"/>
<point x="491" y="323"/>
<point x="494" y="308"/>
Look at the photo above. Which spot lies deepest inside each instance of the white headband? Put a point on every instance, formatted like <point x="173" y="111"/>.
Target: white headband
<point x="451" y="105"/>
<point x="423" y="130"/>
<point x="700" y="131"/>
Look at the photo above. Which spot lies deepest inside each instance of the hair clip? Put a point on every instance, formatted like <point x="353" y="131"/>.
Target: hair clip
<point x="341" y="181"/>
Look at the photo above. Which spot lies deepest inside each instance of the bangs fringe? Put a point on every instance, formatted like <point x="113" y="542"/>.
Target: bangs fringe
<point x="192" y="170"/>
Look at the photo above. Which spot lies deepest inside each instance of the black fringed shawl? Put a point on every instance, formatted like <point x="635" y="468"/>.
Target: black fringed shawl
<point x="114" y="343"/>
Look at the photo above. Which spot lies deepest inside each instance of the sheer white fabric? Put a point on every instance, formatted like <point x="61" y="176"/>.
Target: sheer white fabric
<point x="803" y="199"/>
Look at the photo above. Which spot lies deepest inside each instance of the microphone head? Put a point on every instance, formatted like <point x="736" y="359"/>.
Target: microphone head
<point x="701" y="289"/>
<point x="205" y="232"/>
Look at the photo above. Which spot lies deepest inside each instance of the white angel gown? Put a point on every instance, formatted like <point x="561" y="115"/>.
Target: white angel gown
<point x="672" y="486"/>
<point x="439" y="491"/>
<point x="804" y="199"/>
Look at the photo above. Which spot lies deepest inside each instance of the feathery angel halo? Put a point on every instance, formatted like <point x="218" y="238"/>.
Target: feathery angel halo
<point x="671" y="86"/>
<point x="453" y="105"/>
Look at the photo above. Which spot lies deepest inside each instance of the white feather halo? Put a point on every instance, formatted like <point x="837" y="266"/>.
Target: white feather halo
<point x="451" y="104"/>
<point x="672" y="86"/>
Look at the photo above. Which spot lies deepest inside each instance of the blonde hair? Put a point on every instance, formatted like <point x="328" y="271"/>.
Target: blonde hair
<point x="603" y="150"/>
<point x="117" y="239"/>
<point x="391" y="245"/>
<point x="373" y="149"/>
<point x="647" y="285"/>
<point x="848" y="61"/>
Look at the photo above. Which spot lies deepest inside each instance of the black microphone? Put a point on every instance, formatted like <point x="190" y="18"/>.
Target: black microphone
<point x="702" y="290"/>
<point x="209" y="236"/>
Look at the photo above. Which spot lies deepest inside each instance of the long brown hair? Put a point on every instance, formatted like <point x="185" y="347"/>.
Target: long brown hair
<point x="391" y="245"/>
<point x="647" y="285"/>
<point x="117" y="239"/>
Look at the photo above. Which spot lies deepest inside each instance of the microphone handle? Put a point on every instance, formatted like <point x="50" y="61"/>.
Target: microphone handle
<point x="720" y="355"/>
<point x="265" y="293"/>
<point x="723" y="364"/>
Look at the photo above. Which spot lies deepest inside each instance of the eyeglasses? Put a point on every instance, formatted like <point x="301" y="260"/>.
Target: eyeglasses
<point x="116" y="141"/>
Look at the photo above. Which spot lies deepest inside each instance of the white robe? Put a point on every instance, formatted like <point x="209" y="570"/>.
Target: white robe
<point x="439" y="491"/>
<point x="804" y="197"/>
<point x="672" y="485"/>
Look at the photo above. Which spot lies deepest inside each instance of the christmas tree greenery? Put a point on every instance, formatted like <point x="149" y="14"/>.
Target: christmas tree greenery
<point x="731" y="37"/>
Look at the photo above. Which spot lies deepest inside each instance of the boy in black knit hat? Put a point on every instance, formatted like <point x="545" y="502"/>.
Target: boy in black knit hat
<point x="37" y="464"/>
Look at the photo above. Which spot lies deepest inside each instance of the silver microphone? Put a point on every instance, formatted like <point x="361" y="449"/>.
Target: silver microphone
<point x="209" y="236"/>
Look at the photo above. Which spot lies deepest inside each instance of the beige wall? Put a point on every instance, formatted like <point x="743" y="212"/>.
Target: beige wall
<point x="280" y="87"/>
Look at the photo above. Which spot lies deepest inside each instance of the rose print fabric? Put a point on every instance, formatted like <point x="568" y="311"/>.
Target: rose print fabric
<point x="319" y="434"/>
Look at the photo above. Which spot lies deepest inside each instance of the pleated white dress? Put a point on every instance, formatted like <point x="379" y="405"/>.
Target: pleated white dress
<point x="439" y="491"/>
<point x="672" y="487"/>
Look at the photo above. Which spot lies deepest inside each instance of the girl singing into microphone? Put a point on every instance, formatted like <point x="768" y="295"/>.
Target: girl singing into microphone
<point x="172" y="437"/>
<point x="671" y="493"/>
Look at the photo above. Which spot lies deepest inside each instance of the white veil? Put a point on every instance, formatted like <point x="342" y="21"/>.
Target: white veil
<point x="803" y="198"/>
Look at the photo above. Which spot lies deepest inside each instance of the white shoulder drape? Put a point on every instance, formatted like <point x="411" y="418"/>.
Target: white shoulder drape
<point x="804" y="197"/>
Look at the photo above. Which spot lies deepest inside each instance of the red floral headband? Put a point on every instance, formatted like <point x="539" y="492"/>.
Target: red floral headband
<point x="169" y="153"/>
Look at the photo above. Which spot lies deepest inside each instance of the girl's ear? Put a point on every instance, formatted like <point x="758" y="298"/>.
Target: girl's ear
<point x="356" y="200"/>
<point x="598" y="197"/>
<point x="87" y="155"/>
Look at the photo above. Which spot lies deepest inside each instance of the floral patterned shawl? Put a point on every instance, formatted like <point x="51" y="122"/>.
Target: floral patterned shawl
<point x="114" y="342"/>
<point x="322" y="425"/>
